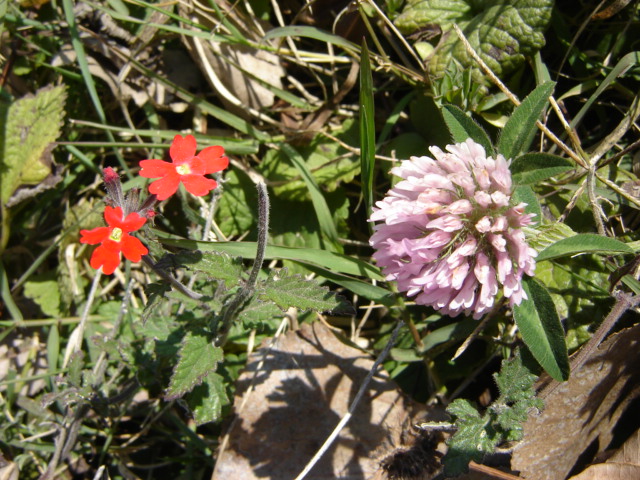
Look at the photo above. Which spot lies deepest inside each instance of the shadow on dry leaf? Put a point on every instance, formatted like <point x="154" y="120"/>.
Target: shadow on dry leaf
<point x="306" y="384"/>
<point x="582" y="415"/>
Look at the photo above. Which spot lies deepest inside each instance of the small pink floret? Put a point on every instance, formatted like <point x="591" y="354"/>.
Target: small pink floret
<point x="448" y="233"/>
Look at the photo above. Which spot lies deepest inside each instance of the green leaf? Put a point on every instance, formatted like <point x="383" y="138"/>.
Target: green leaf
<point x="470" y="442"/>
<point x="531" y="168"/>
<point x="323" y="213"/>
<point x="32" y="125"/>
<point x="502" y="32"/>
<point x="311" y="32"/>
<point x="367" y="128"/>
<point x="206" y="400"/>
<point x="45" y="293"/>
<point x="518" y="133"/>
<point x="257" y="312"/>
<point x="524" y="194"/>
<point x="295" y="291"/>
<point x="155" y="292"/>
<point x="548" y="234"/>
<point x="320" y="258"/>
<point x="462" y="127"/>
<point x="197" y="358"/>
<point x="584" y="243"/>
<point x="217" y="265"/>
<point x="541" y="330"/>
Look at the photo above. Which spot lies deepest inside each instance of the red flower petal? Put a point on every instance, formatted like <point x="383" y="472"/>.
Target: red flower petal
<point x="155" y="168"/>
<point x="197" y="166"/>
<point x="165" y="187"/>
<point x="132" y="248"/>
<point x="105" y="258"/>
<point x="182" y="149"/>
<point x="214" y="159"/>
<point x="113" y="216"/>
<point x="198" y="185"/>
<point x="95" y="236"/>
<point x="133" y="222"/>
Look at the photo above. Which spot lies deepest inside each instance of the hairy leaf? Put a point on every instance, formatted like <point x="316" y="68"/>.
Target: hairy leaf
<point x="584" y="243"/>
<point x="541" y="330"/>
<point x="206" y="400"/>
<point x="462" y="127"/>
<point x="197" y="358"/>
<point x="519" y="130"/>
<point x="295" y="291"/>
<point x="32" y="124"/>
<point x="531" y="168"/>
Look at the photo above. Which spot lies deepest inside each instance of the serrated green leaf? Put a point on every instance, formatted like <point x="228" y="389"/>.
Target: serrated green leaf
<point x="470" y="442"/>
<point x="518" y="133"/>
<point x="257" y="312"/>
<point x="524" y="194"/>
<point x="32" y="125"/>
<point x="531" y="168"/>
<point x="367" y="127"/>
<point x="515" y="381"/>
<point x="502" y="32"/>
<point x="206" y="400"/>
<point x="462" y="127"/>
<point x="217" y="265"/>
<point x="295" y="291"/>
<point x="541" y="330"/>
<point x="197" y="358"/>
<point x="584" y="243"/>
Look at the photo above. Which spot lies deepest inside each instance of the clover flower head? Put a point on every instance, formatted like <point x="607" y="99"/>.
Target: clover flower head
<point x="449" y="233"/>
<point x="115" y="239"/>
<point x="186" y="167"/>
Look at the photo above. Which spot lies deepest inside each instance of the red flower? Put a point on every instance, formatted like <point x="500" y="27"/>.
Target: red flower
<point x="186" y="167"/>
<point x="115" y="239"/>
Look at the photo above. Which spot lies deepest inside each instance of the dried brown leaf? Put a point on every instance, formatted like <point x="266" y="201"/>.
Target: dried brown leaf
<point x="306" y="384"/>
<point x="581" y="413"/>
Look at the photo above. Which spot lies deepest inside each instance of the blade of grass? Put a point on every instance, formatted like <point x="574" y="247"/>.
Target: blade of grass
<point x="625" y="63"/>
<point x="78" y="47"/>
<point x="367" y="128"/>
<point x="312" y="32"/>
<point x="323" y="259"/>
<point x="5" y="292"/>
<point x="323" y="213"/>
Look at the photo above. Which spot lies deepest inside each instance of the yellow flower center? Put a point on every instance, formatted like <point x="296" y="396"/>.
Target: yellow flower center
<point x="116" y="234"/>
<point x="183" y="169"/>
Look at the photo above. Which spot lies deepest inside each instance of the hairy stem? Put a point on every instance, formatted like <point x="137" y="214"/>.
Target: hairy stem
<point x="230" y="309"/>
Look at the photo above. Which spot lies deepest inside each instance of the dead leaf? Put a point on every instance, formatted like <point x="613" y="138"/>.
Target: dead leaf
<point x="580" y="414"/>
<point x="623" y="465"/>
<point x="306" y="384"/>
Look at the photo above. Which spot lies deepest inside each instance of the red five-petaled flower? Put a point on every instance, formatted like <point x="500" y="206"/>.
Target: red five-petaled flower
<point x="115" y="239"/>
<point x="186" y="167"/>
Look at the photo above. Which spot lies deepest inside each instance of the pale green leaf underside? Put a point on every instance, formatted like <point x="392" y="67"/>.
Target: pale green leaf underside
<point x="197" y="358"/>
<point x="32" y="124"/>
<point x="584" y="243"/>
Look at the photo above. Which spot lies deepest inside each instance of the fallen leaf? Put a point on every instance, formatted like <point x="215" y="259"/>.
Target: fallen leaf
<point x="287" y="406"/>
<point x="580" y="415"/>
